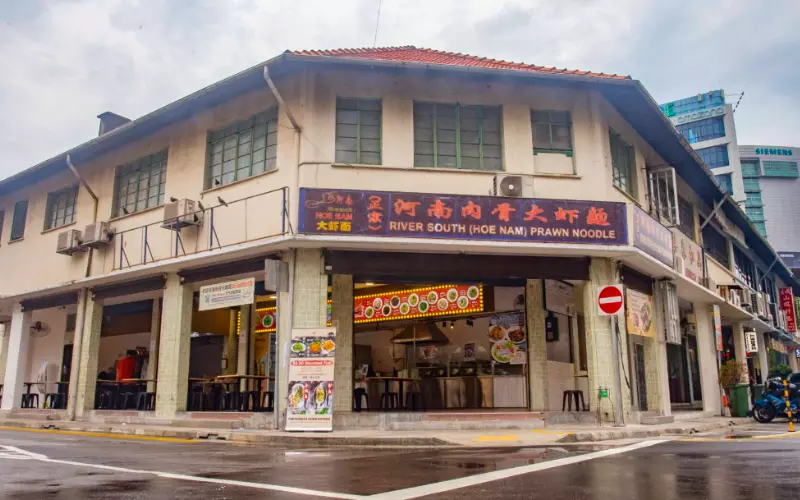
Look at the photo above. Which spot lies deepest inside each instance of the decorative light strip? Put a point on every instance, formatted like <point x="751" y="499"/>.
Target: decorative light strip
<point x="431" y="312"/>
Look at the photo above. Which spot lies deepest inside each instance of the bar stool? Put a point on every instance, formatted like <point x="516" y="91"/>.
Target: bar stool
<point x="196" y="399"/>
<point x="54" y="400"/>
<point x="357" y="395"/>
<point x="28" y="400"/>
<point x="569" y="395"/>
<point x="415" y="401"/>
<point x="269" y="397"/>
<point x="145" y="401"/>
<point x="389" y="400"/>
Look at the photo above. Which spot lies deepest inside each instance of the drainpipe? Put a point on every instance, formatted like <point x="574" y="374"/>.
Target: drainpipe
<point x="80" y="317"/>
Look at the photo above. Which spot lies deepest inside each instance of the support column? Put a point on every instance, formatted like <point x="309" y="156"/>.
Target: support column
<point x="174" y="347"/>
<point x="243" y="347"/>
<point x="740" y="351"/>
<point x="537" y="345"/>
<point x="599" y="332"/>
<point x="16" y="361"/>
<point x="230" y="349"/>
<point x="152" y="350"/>
<point x="4" y="336"/>
<point x="707" y="354"/>
<point x="762" y="357"/>
<point x="89" y="355"/>
<point x="342" y="312"/>
<point x="655" y="354"/>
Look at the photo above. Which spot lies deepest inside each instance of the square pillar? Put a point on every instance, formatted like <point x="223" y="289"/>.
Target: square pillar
<point x="655" y="353"/>
<point x="152" y="350"/>
<point x="342" y="318"/>
<point x="740" y="351"/>
<point x="243" y="341"/>
<point x="85" y="383"/>
<point x="4" y="336"/>
<point x="230" y="349"/>
<point x="17" y="358"/>
<point x="708" y="359"/>
<point x="174" y="347"/>
<point x="762" y="357"/>
<point x="537" y="345"/>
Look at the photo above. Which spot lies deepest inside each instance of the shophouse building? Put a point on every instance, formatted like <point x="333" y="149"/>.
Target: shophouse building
<point x="451" y="217"/>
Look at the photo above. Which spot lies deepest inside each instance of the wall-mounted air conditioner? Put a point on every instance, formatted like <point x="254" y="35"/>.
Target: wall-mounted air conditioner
<point x="97" y="235"/>
<point x="761" y="307"/>
<point x="680" y="265"/>
<point x="182" y="213"/>
<point x="736" y="298"/>
<point x="69" y="242"/>
<point x="747" y="299"/>
<point x="710" y="284"/>
<point x="512" y="186"/>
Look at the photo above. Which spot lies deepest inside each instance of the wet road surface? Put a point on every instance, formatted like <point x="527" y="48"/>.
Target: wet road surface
<point x="96" y="467"/>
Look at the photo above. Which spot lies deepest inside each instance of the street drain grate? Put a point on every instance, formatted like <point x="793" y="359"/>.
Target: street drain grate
<point x="739" y="436"/>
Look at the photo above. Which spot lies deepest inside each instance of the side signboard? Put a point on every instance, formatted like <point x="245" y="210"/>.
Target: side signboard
<point x="651" y="237"/>
<point x="311" y="361"/>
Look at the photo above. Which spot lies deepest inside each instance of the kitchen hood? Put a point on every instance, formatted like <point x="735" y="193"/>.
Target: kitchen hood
<point x="422" y="334"/>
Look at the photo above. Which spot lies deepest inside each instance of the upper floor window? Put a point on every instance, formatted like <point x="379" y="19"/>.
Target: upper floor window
<point x="774" y="168"/>
<point x="552" y="132"/>
<point x="140" y="184"/>
<point x="715" y="156"/>
<point x="358" y="131"/>
<point x="622" y="162"/>
<point x="686" y="223"/>
<point x="457" y="136"/>
<point x="726" y="182"/>
<point x="243" y="149"/>
<point x="716" y="245"/>
<point x="61" y="207"/>
<point x="744" y="269"/>
<point x="18" y="221"/>
<point x="703" y="130"/>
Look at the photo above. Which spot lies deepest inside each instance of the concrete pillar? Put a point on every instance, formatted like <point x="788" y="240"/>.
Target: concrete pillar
<point x="707" y="359"/>
<point x="537" y="345"/>
<point x="763" y="362"/>
<point x="655" y="353"/>
<point x="342" y="318"/>
<point x="740" y="351"/>
<point x="152" y="350"/>
<point x="243" y="347"/>
<point x="599" y="331"/>
<point x="88" y="357"/>
<point x="16" y="361"/>
<point x="230" y="349"/>
<point x="4" y="336"/>
<point x="174" y="347"/>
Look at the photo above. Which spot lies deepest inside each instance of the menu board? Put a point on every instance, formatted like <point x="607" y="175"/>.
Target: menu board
<point x="311" y="360"/>
<point x="439" y="300"/>
<point x="508" y="338"/>
<point x="559" y="297"/>
<point x="640" y="317"/>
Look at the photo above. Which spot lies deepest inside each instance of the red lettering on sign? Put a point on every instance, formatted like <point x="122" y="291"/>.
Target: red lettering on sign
<point x="534" y="214"/>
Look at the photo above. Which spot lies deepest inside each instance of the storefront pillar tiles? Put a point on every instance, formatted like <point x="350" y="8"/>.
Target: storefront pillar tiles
<point x="4" y="337"/>
<point x="17" y="360"/>
<point x="708" y="356"/>
<point x="763" y="361"/>
<point x="155" y="337"/>
<point x="89" y="354"/>
<point x="656" y="369"/>
<point x="342" y="318"/>
<point x="173" y="361"/>
<point x="230" y="349"/>
<point x="310" y="290"/>
<point x="537" y="345"/>
<point x="740" y="350"/>
<point x="239" y="362"/>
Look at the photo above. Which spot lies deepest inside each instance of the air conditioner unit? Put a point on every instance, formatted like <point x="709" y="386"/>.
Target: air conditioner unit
<point x="761" y="308"/>
<point x="69" y="242"/>
<point x="182" y="213"/>
<point x="736" y="298"/>
<point x="710" y="284"/>
<point x="747" y="299"/>
<point x="680" y="265"/>
<point x="512" y="186"/>
<point x="97" y="235"/>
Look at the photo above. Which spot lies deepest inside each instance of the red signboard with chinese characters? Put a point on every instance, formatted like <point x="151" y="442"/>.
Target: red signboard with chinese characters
<point x="422" y="215"/>
<point x="787" y="304"/>
<point x="440" y="300"/>
<point x="266" y="319"/>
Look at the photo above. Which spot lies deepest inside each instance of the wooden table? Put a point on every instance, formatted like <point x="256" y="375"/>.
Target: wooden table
<point x="399" y="380"/>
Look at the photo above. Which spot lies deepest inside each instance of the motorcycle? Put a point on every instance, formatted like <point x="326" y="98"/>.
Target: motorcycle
<point x="773" y="402"/>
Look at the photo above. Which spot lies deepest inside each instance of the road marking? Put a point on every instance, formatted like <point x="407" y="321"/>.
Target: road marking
<point x="101" y="434"/>
<point x="454" y="484"/>
<point x="28" y="455"/>
<point x="487" y="439"/>
<point x="728" y="439"/>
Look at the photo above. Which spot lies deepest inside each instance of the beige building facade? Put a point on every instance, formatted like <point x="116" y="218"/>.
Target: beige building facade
<point x="252" y="155"/>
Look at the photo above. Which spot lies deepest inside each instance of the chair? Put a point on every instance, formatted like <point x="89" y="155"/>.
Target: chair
<point x="389" y="400"/>
<point x="145" y="401"/>
<point x="358" y="394"/>
<point x="569" y="395"/>
<point x="415" y="401"/>
<point x="269" y="398"/>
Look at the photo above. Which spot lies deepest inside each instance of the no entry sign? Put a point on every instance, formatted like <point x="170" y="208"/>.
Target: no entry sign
<point x="609" y="300"/>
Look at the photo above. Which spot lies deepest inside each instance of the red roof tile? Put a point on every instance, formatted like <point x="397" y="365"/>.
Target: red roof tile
<point x="412" y="54"/>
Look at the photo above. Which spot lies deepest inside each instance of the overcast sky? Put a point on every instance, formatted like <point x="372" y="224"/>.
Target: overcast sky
<point x="64" y="62"/>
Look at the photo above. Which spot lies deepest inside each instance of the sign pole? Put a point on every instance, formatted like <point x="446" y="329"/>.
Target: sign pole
<point x="618" y="420"/>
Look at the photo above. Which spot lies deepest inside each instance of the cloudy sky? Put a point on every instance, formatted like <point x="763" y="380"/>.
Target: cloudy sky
<point x="66" y="61"/>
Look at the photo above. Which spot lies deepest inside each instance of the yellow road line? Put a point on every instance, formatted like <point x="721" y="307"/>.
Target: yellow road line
<point x="556" y="433"/>
<point x="486" y="439"/>
<point x="100" y="434"/>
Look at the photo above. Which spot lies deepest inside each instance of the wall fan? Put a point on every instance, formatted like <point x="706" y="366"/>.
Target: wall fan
<point x="40" y="329"/>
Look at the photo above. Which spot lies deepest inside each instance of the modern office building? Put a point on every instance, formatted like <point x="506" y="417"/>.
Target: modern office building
<point x="706" y="122"/>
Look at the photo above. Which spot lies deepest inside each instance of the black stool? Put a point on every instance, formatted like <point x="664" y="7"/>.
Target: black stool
<point x="54" y="400"/>
<point x="124" y="400"/>
<point x="269" y="397"/>
<point x="230" y="400"/>
<point x="357" y="395"/>
<point x="145" y="401"/>
<point x="104" y="400"/>
<point x="250" y="400"/>
<point x="415" y="401"/>
<point x="566" y="400"/>
<point x="28" y="400"/>
<point x="389" y="400"/>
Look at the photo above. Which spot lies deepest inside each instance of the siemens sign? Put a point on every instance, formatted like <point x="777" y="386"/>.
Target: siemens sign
<point x="698" y="115"/>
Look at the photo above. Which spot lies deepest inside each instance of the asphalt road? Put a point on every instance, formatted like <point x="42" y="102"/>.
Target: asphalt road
<point x="51" y="465"/>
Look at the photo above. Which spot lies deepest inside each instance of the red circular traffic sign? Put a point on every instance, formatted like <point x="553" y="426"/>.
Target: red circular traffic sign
<point x="609" y="299"/>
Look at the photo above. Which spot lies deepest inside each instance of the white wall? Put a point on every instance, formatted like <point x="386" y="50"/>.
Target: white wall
<point x="48" y="349"/>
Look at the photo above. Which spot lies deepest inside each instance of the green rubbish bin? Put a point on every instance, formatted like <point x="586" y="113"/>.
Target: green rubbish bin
<point x="758" y="392"/>
<point x="740" y="400"/>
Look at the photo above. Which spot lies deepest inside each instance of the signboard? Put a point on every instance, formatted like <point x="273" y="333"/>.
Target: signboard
<point x="717" y="315"/>
<point x="441" y="300"/>
<point x="266" y="319"/>
<point x="750" y="342"/>
<point x="797" y="353"/>
<point x="311" y="359"/>
<point x="688" y="256"/>
<point x="774" y="151"/>
<point x="609" y="300"/>
<point x="639" y="315"/>
<point x="559" y="297"/>
<point x="508" y="339"/>
<point x="791" y="259"/>
<point x="787" y="305"/>
<point x="651" y="237"/>
<point x="698" y="115"/>
<point x="228" y="294"/>
<point x="461" y="217"/>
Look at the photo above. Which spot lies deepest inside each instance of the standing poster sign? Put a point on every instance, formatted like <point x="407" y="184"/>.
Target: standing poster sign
<point x="718" y="327"/>
<point x="787" y="304"/>
<point x="640" y="318"/>
<point x="311" y="361"/>
<point x="227" y="294"/>
<point x="750" y="342"/>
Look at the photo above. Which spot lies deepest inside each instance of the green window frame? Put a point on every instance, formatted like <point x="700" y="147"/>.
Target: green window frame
<point x="18" y="220"/>
<point x="358" y="131"/>
<point x="623" y="159"/>
<point x="61" y="207"/>
<point x="453" y="135"/>
<point x="141" y="184"/>
<point x="552" y="132"/>
<point x="243" y="149"/>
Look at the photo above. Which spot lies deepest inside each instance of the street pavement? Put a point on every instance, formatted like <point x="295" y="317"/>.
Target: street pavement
<point x="753" y="462"/>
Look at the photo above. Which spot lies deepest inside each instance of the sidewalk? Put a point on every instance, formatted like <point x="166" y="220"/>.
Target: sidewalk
<point x="555" y="435"/>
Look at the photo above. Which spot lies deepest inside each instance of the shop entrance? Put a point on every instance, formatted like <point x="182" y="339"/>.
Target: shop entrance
<point x="683" y="364"/>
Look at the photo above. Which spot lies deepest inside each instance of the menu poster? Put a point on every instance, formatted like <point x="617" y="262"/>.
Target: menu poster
<point x="559" y="297"/>
<point x="469" y="351"/>
<point x="311" y="360"/>
<point x="508" y="339"/>
<point x="440" y="300"/>
<point x="640" y="316"/>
